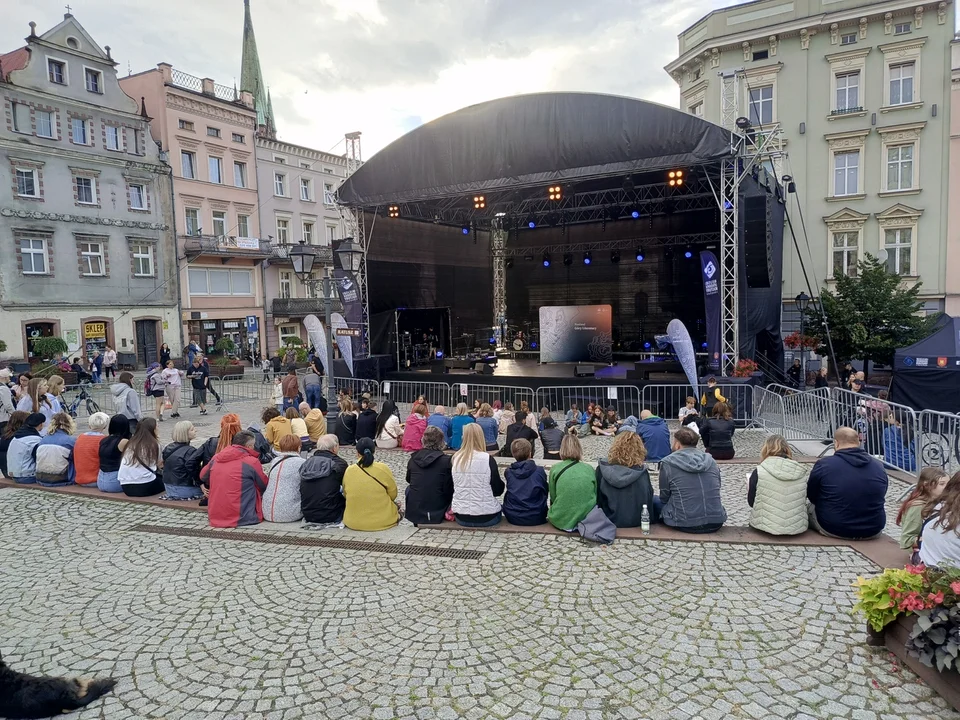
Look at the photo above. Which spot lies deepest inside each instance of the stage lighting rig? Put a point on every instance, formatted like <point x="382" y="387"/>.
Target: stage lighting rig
<point x="393" y="211"/>
<point x="587" y="257"/>
<point x="555" y="193"/>
<point x="688" y="252"/>
<point x="676" y="178"/>
<point x="567" y="259"/>
<point x="635" y="214"/>
<point x="479" y="202"/>
<point x="546" y="259"/>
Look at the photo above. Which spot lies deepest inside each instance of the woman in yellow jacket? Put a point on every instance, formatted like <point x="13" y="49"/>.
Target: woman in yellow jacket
<point x="370" y="492"/>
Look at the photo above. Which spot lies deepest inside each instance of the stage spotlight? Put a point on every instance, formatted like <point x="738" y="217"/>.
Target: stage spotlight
<point x="508" y="263"/>
<point x="479" y="202"/>
<point x="668" y="254"/>
<point x="531" y="224"/>
<point x="646" y="346"/>
<point x="555" y="193"/>
<point x="635" y="214"/>
<point x="704" y="346"/>
<point x="465" y="230"/>
<point x="546" y="259"/>
<point x="533" y="345"/>
<point x="393" y="211"/>
<point x="744" y="123"/>
<point x="587" y="258"/>
<point x="615" y="257"/>
<point x="675" y="178"/>
<point x="640" y="255"/>
<point x="688" y="252"/>
<point x="567" y="259"/>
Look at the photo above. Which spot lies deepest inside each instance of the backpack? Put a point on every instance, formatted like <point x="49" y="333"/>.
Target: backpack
<point x="596" y="527"/>
<point x="148" y="384"/>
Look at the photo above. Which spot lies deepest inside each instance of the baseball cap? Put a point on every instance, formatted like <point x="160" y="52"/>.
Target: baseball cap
<point x="34" y="419"/>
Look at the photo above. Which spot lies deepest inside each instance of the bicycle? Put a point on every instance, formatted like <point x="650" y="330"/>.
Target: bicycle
<point x="83" y="395"/>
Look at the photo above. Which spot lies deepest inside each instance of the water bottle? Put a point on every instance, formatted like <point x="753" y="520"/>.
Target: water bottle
<point x="645" y="521"/>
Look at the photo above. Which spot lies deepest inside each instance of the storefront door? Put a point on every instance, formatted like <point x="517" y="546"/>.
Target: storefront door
<point x="147" y="349"/>
<point x="94" y="337"/>
<point x="34" y="331"/>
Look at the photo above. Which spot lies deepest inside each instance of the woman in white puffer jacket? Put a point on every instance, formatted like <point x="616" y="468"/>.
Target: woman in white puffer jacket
<point x="476" y="482"/>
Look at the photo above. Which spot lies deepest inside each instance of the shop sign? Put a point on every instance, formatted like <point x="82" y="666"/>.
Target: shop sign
<point x="231" y="324"/>
<point x="94" y="329"/>
<point x="209" y="326"/>
<point x="348" y="332"/>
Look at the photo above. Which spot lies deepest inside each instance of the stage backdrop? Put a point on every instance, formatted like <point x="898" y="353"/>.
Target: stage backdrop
<point x="576" y="333"/>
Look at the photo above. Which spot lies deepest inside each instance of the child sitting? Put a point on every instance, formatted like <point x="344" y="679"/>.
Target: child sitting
<point x="574" y="417"/>
<point x="525" y="502"/>
<point x="689" y="408"/>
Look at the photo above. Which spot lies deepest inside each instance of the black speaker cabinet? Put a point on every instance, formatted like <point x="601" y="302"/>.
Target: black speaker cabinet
<point x="756" y="241"/>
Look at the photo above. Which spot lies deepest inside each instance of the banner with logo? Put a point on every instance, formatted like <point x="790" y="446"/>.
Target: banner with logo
<point x="352" y="306"/>
<point x="712" y="305"/>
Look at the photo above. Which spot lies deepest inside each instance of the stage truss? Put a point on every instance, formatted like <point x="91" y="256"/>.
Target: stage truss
<point x="353" y="219"/>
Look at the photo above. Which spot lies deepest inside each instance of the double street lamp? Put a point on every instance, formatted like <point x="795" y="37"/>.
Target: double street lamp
<point x="802" y="301"/>
<point x="303" y="257"/>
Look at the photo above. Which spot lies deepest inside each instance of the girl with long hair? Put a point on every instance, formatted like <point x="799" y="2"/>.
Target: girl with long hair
<point x="623" y="482"/>
<point x="476" y="482"/>
<point x="17" y="418"/>
<point x="458" y="422"/>
<point x="940" y="537"/>
<point x="55" y="387"/>
<point x="139" y="474"/>
<point x="111" y="454"/>
<point x="910" y="517"/>
<point x="36" y="400"/>
<point x="490" y="427"/>
<point x="389" y="430"/>
<point x="346" y="427"/>
<point x="54" y="452"/>
<point x="229" y="426"/>
<point x="414" y="428"/>
<point x="717" y="433"/>
<point x="370" y="492"/>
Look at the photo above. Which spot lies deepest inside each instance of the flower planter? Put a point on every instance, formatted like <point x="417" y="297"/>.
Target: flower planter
<point x="947" y="684"/>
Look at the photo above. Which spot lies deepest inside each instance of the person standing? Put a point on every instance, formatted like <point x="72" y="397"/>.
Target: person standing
<point x="711" y="396"/>
<point x="311" y="387"/>
<point x="794" y="374"/>
<point x="199" y="379"/>
<point x="291" y="389"/>
<point x="193" y="349"/>
<point x="126" y="400"/>
<point x="164" y="355"/>
<point x="7" y="408"/>
<point x="821" y="381"/>
<point x="109" y="362"/>
<point x="96" y="367"/>
<point x="172" y="383"/>
<point x="155" y="386"/>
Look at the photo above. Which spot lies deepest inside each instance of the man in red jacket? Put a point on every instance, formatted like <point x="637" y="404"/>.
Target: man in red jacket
<point x="236" y="480"/>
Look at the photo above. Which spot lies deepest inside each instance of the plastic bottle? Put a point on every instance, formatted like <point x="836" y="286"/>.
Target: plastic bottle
<point x="645" y="521"/>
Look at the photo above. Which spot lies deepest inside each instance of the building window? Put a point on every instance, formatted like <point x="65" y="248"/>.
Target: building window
<point x="848" y="39"/>
<point x="208" y="281"/>
<point x="331" y="233"/>
<point x="846" y="173"/>
<point x="286" y="284"/>
<point x="57" y="72"/>
<point x="91" y="258"/>
<point x="243" y="226"/>
<point x="45" y="124"/>
<point x="138" y="197"/>
<point x="279" y="160"/>
<point x="191" y="219"/>
<point x="239" y="138"/>
<point x="216" y="169"/>
<point x="328" y="196"/>
<point x="21" y="118"/>
<point x="761" y="55"/>
<point x="188" y="164"/>
<point x="240" y="174"/>
<point x="86" y="190"/>
<point x="308" y="233"/>
<point x="848" y="91"/>
<point x="142" y="254"/>
<point x="902" y="28"/>
<point x="761" y="105"/>
<point x="93" y="81"/>
<point x="283" y="230"/>
<point x="33" y="253"/>
<point x="279" y="184"/>
<point x="113" y="137"/>
<point x="219" y="223"/>
<point x="288" y="331"/>
<point x="898" y="242"/>
<point x="304" y="189"/>
<point x="137" y="137"/>
<point x="845" y="253"/>
<point x="328" y="171"/>
<point x="185" y="125"/>
<point x="696" y="110"/>
<point x="27" y="183"/>
<point x="900" y="167"/>
<point x="213" y="132"/>
<point x="78" y="129"/>
<point x="901" y="83"/>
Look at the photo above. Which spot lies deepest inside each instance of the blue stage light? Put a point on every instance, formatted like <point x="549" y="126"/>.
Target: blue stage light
<point x="640" y="256"/>
<point x="493" y="341"/>
<point x="533" y="346"/>
<point x="465" y="230"/>
<point x="704" y="346"/>
<point x="587" y="258"/>
<point x="635" y="214"/>
<point x="687" y="254"/>
<point x="546" y="259"/>
<point x="531" y="224"/>
<point x="646" y="345"/>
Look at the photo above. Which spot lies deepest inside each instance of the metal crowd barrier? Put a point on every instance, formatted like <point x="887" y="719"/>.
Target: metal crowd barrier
<point x="939" y="441"/>
<point x="468" y="394"/>
<point x="666" y="400"/>
<point x="558" y="399"/>
<point x="406" y="392"/>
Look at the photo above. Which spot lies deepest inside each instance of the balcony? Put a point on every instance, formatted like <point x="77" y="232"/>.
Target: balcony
<point x="281" y="254"/>
<point x="227" y="246"/>
<point x="301" y="307"/>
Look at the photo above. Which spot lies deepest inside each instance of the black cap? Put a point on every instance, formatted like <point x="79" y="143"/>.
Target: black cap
<point x="35" y="419"/>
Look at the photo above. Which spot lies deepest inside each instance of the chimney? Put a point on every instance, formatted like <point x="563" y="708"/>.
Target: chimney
<point x="246" y="98"/>
<point x="33" y="29"/>
<point x="166" y="72"/>
<point x="207" y="86"/>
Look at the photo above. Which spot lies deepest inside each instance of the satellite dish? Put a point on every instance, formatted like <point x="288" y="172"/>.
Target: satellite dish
<point x="883" y="255"/>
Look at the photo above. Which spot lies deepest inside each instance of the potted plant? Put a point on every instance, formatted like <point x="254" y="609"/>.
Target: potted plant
<point x="46" y="349"/>
<point x="295" y="344"/>
<point x="745" y="368"/>
<point x="223" y="365"/>
<point x="882" y="598"/>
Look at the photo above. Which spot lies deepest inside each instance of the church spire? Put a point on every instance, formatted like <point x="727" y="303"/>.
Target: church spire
<point x="251" y="76"/>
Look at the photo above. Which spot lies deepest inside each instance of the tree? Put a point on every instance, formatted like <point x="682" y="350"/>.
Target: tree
<point x="870" y="315"/>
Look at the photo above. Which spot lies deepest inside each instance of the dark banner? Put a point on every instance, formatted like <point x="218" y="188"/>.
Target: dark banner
<point x="352" y="306"/>
<point x="579" y="333"/>
<point x="710" y="268"/>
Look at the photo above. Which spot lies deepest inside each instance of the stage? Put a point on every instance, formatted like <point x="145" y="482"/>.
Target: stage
<point x="532" y="374"/>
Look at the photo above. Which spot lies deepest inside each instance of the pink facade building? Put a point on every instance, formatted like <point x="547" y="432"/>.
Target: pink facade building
<point x="952" y="298"/>
<point x="207" y="131"/>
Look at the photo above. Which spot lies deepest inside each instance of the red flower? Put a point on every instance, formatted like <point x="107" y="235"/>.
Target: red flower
<point x="955" y="586"/>
<point x="915" y="569"/>
<point x="936" y="598"/>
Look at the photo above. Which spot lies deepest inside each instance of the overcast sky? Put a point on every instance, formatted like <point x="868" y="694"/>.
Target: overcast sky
<point x="386" y="66"/>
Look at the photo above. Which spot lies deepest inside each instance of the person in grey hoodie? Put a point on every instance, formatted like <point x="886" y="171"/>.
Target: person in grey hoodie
<point x="690" y="487"/>
<point x="623" y="483"/>
<point x="126" y="401"/>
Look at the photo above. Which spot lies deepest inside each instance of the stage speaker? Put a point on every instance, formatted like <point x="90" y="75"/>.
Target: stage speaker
<point x="438" y="367"/>
<point x="583" y="371"/>
<point x="482" y="368"/>
<point x="757" y="253"/>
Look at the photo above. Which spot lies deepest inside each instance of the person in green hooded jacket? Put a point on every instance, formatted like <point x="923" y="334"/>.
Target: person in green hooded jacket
<point x="572" y="487"/>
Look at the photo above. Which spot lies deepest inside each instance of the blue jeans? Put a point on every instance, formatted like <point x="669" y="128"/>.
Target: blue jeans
<point x="96" y="377"/>
<point x="289" y="403"/>
<point x="182" y="492"/>
<point x="25" y="481"/>
<point x="313" y="396"/>
<point x="107" y="482"/>
<point x="465" y="522"/>
<point x="64" y="483"/>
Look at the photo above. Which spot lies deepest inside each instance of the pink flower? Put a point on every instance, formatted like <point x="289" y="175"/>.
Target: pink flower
<point x="955" y="586"/>
<point x="915" y="569"/>
<point x="936" y="598"/>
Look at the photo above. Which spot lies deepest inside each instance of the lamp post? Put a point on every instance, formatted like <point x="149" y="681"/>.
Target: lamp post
<point x="802" y="300"/>
<point x="303" y="257"/>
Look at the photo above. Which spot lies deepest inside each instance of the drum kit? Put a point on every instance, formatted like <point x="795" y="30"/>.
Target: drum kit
<point x="417" y="348"/>
<point x="520" y="338"/>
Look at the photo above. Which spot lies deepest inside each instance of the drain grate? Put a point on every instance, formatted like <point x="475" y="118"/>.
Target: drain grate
<point x="360" y="545"/>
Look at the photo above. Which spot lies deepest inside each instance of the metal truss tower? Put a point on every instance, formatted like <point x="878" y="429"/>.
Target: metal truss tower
<point x="498" y="246"/>
<point x="356" y="230"/>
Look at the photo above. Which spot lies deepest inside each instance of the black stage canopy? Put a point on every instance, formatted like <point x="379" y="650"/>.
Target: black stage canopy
<point x="533" y="140"/>
<point x="926" y="375"/>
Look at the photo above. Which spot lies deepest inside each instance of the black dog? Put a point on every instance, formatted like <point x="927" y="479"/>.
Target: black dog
<point x="27" y="696"/>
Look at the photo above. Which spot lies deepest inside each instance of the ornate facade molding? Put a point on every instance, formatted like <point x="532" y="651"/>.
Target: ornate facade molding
<point x="863" y="28"/>
<point x="898" y="216"/>
<point x="210" y="110"/>
<point x="941" y="13"/>
<point x="834" y="33"/>
<point x="846" y="220"/>
<point x="901" y="133"/>
<point x="80" y="219"/>
<point x="773" y="40"/>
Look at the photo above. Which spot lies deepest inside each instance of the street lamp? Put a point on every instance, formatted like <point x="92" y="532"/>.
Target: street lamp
<point x="303" y="257"/>
<point x="802" y="300"/>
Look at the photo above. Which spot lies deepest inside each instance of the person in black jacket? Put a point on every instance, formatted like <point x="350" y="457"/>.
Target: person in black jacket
<point x="367" y="421"/>
<point x="181" y="464"/>
<point x="551" y="436"/>
<point x="623" y="483"/>
<point x="717" y="433"/>
<point x="429" y="480"/>
<point x="519" y="429"/>
<point x="321" y="483"/>
<point x="525" y="502"/>
<point x="346" y="425"/>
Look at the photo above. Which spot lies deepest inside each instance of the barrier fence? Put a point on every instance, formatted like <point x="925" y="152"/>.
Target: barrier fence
<point x="666" y="400"/>
<point x="558" y="399"/>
